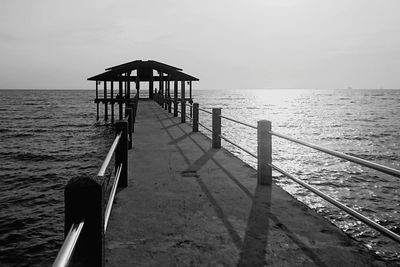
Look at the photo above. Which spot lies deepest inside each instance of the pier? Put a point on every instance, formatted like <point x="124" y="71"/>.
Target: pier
<point x="188" y="204"/>
<point x="175" y="197"/>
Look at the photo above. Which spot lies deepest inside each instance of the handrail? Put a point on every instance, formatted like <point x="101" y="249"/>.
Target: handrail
<point x="236" y="145"/>
<point x="338" y="204"/>
<point x="110" y="153"/>
<point x="331" y="200"/>
<point x="205" y="127"/>
<point x="245" y="124"/>
<point x="111" y="198"/>
<point x="65" y="253"/>
<point x="206" y="111"/>
<point x="357" y="160"/>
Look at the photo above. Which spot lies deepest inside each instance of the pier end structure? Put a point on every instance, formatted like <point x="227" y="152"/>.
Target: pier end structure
<point x="153" y="73"/>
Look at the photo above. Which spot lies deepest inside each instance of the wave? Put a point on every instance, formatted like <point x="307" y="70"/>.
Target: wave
<point x="49" y="157"/>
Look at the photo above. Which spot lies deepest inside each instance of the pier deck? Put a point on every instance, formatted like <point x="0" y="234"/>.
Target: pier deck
<point x="188" y="204"/>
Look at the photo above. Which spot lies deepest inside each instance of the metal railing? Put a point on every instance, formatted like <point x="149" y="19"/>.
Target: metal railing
<point x="85" y="199"/>
<point x="363" y="162"/>
<point x="265" y="166"/>
<point x="67" y="249"/>
<point x="111" y="198"/>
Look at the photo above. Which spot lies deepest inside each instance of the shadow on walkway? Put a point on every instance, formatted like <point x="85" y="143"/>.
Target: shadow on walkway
<point x="253" y="247"/>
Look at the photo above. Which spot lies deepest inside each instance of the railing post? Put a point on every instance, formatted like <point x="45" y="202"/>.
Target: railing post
<point x="216" y="128"/>
<point x="84" y="200"/>
<point x="195" y="117"/>
<point x="183" y="111"/>
<point x="264" y="153"/>
<point x="134" y="108"/>
<point x="169" y="105"/>
<point x="121" y="153"/>
<point x="129" y="116"/>
<point x="175" y="108"/>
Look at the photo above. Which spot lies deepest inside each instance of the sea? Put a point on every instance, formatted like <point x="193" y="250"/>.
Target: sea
<point x="49" y="136"/>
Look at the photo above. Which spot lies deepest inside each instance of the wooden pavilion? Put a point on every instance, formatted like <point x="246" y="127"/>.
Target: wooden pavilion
<point x="151" y="72"/>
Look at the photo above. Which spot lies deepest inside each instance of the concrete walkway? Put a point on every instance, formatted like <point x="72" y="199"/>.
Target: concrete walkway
<point x="190" y="205"/>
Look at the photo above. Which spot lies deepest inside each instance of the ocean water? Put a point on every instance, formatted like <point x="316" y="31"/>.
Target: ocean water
<point x="48" y="137"/>
<point x="362" y="123"/>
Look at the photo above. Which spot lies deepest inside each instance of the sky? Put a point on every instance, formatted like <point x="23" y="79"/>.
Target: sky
<point x="227" y="44"/>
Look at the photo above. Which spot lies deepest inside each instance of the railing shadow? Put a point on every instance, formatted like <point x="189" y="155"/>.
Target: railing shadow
<point x="194" y="167"/>
<point x="254" y="244"/>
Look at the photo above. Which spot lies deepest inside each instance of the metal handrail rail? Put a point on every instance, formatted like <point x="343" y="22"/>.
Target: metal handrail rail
<point x="206" y="111"/>
<point x="110" y="153"/>
<point x="67" y="249"/>
<point x="341" y="206"/>
<point x="357" y="160"/>
<point x="188" y="116"/>
<point x="331" y="200"/>
<point x="205" y="127"/>
<point x="236" y="145"/>
<point x="111" y="198"/>
<point x="239" y="122"/>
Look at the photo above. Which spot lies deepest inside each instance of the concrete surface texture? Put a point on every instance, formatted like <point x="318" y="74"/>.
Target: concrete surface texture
<point x="188" y="204"/>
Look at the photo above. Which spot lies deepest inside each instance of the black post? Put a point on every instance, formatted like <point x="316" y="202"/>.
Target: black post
<point x="183" y="111"/>
<point x="97" y="100"/>
<point x="112" y="102"/>
<point x="129" y="117"/>
<point x="183" y="102"/>
<point x="195" y="117"/>
<point x="120" y="100"/>
<point x="105" y="102"/>
<point x="216" y="128"/>
<point x="264" y="153"/>
<point x="121" y="153"/>
<point x="175" y="98"/>
<point x="84" y="200"/>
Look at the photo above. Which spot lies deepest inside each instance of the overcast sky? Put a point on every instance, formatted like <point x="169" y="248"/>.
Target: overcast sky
<point x="227" y="44"/>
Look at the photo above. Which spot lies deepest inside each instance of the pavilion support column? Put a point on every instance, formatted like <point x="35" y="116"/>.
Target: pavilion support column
<point x="97" y="100"/>
<point x="169" y="97"/>
<point x="151" y="87"/>
<point x="105" y="102"/>
<point x="161" y="88"/>
<point x="128" y="85"/>
<point x="120" y="102"/>
<point x="175" y="98"/>
<point x="191" y="101"/>
<point x="137" y="85"/>
<point x="166" y="95"/>
<point x="190" y="90"/>
<point x="125" y="88"/>
<point x="112" y="102"/>
<point x="183" y="102"/>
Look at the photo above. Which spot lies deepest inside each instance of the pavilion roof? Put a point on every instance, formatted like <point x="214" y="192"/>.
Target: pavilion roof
<point x="144" y="71"/>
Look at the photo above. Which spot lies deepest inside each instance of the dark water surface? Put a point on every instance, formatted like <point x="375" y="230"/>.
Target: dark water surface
<point x="47" y="137"/>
